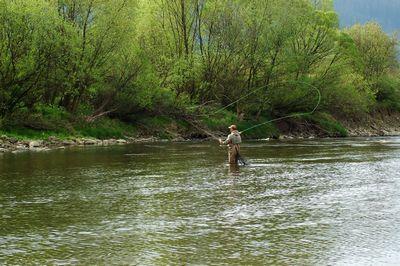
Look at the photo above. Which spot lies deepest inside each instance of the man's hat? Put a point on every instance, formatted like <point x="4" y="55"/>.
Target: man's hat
<point x="233" y="127"/>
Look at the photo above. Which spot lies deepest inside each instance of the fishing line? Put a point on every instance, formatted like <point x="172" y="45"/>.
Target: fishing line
<point x="232" y="103"/>
<point x="269" y="121"/>
<point x="240" y="158"/>
<point x="292" y="115"/>
<point x="238" y="100"/>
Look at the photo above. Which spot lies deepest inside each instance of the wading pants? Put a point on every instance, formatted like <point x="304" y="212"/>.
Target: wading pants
<point x="233" y="153"/>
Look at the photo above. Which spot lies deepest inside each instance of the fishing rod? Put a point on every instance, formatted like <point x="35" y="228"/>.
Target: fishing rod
<point x="240" y="159"/>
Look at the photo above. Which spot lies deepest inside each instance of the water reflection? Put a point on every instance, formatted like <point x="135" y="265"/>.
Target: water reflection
<point x="299" y="202"/>
<point x="234" y="169"/>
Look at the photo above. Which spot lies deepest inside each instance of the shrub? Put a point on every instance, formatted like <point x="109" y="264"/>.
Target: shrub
<point x="352" y="97"/>
<point x="388" y="95"/>
<point x="105" y="128"/>
<point x="328" y="124"/>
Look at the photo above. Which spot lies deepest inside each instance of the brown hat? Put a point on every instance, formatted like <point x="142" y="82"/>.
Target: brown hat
<point x="233" y="127"/>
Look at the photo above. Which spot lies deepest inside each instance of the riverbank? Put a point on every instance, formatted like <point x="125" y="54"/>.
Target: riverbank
<point x="372" y="125"/>
<point x="317" y="126"/>
<point x="11" y="144"/>
<point x="378" y="124"/>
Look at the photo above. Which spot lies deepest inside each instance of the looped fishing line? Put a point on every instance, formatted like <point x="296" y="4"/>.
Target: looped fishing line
<point x="269" y="121"/>
<point x="232" y="103"/>
<point x="292" y="115"/>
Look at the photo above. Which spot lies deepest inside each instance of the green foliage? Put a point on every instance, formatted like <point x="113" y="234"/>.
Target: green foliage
<point x="22" y="133"/>
<point x="68" y="61"/>
<point x="221" y="121"/>
<point x="351" y="97"/>
<point x="389" y="93"/>
<point x="52" y="112"/>
<point x="105" y="129"/>
<point x="376" y="50"/>
<point x="44" y="118"/>
<point x="268" y="130"/>
<point x="329" y="124"/>
<point x="102" y="129"/>
<point x="28" y="45"/>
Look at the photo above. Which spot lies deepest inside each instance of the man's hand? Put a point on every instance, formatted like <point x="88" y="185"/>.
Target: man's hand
<point x="220" y="141"/>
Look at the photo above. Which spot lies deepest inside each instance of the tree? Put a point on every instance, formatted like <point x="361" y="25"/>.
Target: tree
<point x="376" y="50"/>
<point x="28" y="48"/>
<point x="103" y="28"/>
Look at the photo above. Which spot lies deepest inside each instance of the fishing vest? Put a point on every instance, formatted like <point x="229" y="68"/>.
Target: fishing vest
<point x="235" y="137"/>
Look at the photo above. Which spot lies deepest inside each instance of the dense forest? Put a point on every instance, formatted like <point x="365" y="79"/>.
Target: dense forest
<point x="106" y="67"/>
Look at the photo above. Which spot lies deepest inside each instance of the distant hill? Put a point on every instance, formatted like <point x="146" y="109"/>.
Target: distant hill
<point x="385" y="12"/>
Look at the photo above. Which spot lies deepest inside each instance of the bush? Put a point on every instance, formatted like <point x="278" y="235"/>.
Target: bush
<point x="220" y="121"/>
<point x="328" y="124"/>
<point x="41" y="118"/>
<point x="225" y="118"/>
<point x="388" y="95"/>
<point x="50" y="112"/>
<point x="268" y="130"/>
<point x="22" y="133"/>
<point x="352" y="97"/>
<point x="105" y="128"/>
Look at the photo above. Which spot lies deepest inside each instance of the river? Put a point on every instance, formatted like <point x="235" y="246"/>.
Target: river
<point x="300" y="202"/>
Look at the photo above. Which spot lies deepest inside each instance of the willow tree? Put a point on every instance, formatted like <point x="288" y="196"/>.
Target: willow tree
<point x="29" y="47"/>
<point x="377" y="50"/>
<point x="103" y="29"/>
<point x="223" y="52"/>
<point x="170" y="35"/>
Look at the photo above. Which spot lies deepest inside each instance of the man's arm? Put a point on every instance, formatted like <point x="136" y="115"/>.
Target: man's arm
<point x="227" y="141"/>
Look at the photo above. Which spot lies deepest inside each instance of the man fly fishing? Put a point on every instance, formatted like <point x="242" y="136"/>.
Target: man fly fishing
<point x="233" y="141"/>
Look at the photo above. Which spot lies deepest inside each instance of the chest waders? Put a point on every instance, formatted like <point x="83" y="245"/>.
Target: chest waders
<point x="234" y="156"/>
<point x="233" y="153"/>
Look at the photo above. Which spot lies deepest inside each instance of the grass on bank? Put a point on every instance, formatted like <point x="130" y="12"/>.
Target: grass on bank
<point x="52" y="121"/>
<point x="328" y="124"/>
<point x="104" y="128"/>
<point x="46" y="121"/>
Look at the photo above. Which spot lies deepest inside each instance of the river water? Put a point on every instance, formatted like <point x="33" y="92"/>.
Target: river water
<point x="310" y="202"/>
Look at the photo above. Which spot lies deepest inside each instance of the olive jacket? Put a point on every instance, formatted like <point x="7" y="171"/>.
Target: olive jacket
<point x="233" y="138"/>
